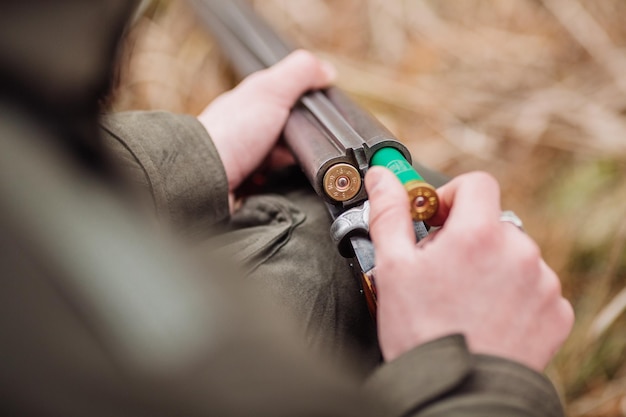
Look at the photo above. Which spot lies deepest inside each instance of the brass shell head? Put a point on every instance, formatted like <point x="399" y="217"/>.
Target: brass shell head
<point x="342" y="182"/>
<point x="423" y="200"/>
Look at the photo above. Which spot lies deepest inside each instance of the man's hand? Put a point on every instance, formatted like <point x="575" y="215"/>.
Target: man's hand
<point x="476" y="276"/>
<point x="245" y="123"/>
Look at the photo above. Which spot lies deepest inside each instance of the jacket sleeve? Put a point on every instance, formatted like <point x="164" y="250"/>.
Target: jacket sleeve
<point x="442" y="378"/>
<point x="172" y="160"/>
<point x="100" y="316"/>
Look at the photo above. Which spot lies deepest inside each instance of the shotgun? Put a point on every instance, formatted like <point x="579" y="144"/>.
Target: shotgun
<point x="333" y="139"/>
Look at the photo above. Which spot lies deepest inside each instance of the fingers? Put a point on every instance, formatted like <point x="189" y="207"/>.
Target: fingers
<point x="470" y="199"/>
<point x="564" y="312"/>
<point x="391" y="227"/>
<point x="567" y="316"/>
<point x="557" y="317"/>
<point x="286" y="81"/>
<point x="246" y="122"/>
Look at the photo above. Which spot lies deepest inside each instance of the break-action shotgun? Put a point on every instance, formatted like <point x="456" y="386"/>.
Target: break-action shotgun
<point x="333" y="140"/>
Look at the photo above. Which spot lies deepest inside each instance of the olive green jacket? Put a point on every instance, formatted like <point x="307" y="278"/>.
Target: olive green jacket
<point x="101" y="313"/>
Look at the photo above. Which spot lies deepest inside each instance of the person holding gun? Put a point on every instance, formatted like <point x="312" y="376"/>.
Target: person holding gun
<point x="98" y="318"/>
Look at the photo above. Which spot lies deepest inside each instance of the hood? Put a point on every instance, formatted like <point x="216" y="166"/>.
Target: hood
<point x="58" y="54"/>
<point x="56" y="61"/>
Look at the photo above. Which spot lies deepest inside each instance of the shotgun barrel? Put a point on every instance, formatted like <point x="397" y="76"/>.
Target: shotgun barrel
<point x="332" y="138"/>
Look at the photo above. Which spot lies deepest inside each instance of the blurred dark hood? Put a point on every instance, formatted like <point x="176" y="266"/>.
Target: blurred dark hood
<point x="56" y="60"/>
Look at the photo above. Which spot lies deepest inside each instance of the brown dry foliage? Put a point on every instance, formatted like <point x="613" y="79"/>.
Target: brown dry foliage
<point x="533" y="92"/>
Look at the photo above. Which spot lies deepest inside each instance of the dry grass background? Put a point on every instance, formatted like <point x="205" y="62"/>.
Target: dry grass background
<point x="533" y="91"/>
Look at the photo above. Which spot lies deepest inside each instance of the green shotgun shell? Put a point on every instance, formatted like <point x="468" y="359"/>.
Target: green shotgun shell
<point x="423" y="199"/>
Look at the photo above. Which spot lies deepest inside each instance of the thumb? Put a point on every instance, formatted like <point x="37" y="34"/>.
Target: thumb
<point x="391" y="227"/>
<point x="290" y="78"/>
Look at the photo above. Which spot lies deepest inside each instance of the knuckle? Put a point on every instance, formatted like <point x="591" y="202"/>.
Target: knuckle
<point x="550" y="290"/>
<point x="529" y="257"/>
<point x="254" y="80"/>
<point x="562" y="320"/>
<point x="552" y="287"/>
<point x="305" y="58"/>
<point x="479" y="233"/>
<point x="482" y="178"/>
<point x="566" y="312"/>
<point x="531" y="253"/>
<point x="479" y="180"/>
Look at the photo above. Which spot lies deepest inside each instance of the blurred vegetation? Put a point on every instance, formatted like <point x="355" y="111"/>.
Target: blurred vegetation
<point x="533" y="91"/>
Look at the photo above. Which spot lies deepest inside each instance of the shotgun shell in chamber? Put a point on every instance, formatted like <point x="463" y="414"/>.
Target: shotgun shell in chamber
<point x="342" y="182"/>
<point x="423" y="199"/>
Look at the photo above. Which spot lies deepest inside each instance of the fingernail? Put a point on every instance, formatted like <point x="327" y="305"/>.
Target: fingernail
<point x="329" y="71"/>
<point x="373" y="178"/>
